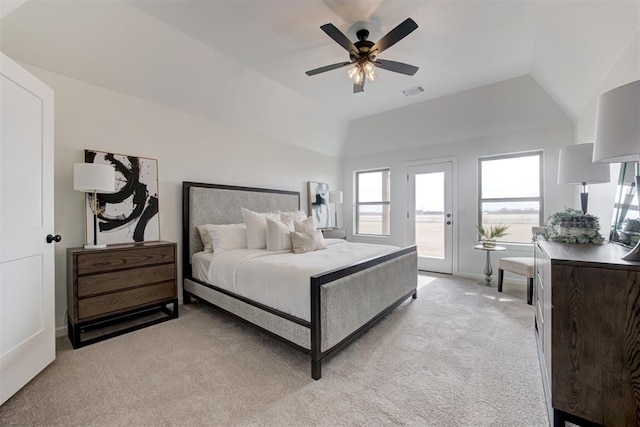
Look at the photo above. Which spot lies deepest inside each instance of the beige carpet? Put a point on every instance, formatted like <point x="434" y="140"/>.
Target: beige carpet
<point x="459" y="355"/>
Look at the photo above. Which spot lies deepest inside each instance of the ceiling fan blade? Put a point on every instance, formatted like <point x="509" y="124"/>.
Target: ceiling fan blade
<point x="394" y="36"/>
<point x="327" y="68"/>
<point x="339" y="38"/>
<point x="358" y="87"/>
<point x="396" y="67"/>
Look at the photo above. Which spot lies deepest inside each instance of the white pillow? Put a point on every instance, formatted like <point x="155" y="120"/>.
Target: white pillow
<point x="292" y="216"/>
<point x="305" y="226"/>
<point x="227" y="237"/>
<point x="307" y="242"/>
<point x="278" y="238"/>
<point x="257" y="227"/>
<point x="205" y="237"/>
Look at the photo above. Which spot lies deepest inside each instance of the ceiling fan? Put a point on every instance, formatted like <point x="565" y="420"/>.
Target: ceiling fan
<point x="363" y="53"/>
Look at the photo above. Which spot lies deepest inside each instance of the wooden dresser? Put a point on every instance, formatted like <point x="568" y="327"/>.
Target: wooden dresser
<point x="117" y="285"/>
<point x="587" y="319"/>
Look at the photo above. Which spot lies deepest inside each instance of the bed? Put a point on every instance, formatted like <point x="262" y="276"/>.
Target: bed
<point x="338" y="304"/>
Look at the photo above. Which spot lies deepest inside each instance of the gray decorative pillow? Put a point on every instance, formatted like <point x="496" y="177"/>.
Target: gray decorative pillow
<point x="205" y="237"/>
<point x="307" y="242"/>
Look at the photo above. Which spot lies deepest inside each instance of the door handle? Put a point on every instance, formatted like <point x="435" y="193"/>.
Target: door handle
<point x="51" y="238"/>
<point x="448" y="222"/>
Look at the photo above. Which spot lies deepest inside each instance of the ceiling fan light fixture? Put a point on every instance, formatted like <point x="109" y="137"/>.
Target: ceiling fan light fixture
<point x="369" y="70"/>
<point x="363" y="53"/>
<point x="356" y="74"/>
<point x="353" y="72"/>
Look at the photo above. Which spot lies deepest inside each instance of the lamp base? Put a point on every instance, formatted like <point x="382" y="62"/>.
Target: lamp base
<point x="633" y="254"/>
<point x="92" y="246"/>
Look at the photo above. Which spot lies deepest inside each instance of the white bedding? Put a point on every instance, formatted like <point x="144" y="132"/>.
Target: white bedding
<point x="279" y="279"/>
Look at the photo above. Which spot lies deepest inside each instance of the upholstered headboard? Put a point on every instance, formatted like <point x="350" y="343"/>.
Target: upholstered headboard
<point x="220" y="204"/>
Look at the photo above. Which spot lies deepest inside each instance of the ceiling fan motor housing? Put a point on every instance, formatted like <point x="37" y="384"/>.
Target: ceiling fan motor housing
<point x="363" y="45"/>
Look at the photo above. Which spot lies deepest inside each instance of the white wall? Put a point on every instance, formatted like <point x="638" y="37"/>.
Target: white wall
<point x="117" y="46"/>
<point x="467" y="262"/>
<point x="188" y="148"/>
<point x="512" y="116"/>
<point x="8" y="6"/>
<point x="625" y="70"/>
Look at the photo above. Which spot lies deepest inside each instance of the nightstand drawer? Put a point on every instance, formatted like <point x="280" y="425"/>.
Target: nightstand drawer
<point x="125" y="300"/>
<point x="98" y="262"/>
<point x="123" y="279"/>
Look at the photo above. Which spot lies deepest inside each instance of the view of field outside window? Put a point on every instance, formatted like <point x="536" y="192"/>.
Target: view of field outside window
<point x="510" y="194"/>
<point x="372" y="203"/>
<point x="429" y="215"/>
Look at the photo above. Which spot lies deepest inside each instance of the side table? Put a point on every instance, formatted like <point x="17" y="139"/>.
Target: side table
<point x="334" y="233"/>
<point x="122" y="282"/>
<point x="488" y="271"/>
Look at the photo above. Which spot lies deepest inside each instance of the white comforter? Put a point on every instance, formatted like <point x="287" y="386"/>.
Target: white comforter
<point x="280" y="279"/>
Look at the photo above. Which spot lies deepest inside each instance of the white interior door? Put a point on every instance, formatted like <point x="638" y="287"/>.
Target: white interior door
<point x="27" y="322"/>
<point x="430" y="215"/>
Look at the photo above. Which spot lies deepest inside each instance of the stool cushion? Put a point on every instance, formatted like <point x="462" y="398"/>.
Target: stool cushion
<point x="522" y="266"/>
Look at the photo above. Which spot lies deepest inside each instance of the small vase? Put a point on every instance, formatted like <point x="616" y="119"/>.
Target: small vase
<point x="489" y="243"/>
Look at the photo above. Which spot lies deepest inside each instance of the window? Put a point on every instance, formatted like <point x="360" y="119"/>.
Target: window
<point x="511" y="193"/>
<point x="373" y="202"/>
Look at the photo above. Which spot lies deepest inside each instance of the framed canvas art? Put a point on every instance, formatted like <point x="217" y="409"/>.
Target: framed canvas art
<point x="131" y="213"/>
<point x="318" y="193"/>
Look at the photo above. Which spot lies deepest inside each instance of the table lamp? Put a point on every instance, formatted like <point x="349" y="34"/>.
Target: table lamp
<point x="575" y="166"/>
<point x="335" y="197"/>
<point x="94" y="178"/>
<point x="618" y="133"/>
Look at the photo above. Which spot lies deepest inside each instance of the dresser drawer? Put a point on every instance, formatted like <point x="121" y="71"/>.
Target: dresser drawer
<point x="114" y="281"/>
<point x="122" y="301"/>
<point x="98" y="262"/>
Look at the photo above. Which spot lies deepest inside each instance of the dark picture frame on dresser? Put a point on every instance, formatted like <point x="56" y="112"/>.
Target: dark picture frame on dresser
<point x="127" y="285"/>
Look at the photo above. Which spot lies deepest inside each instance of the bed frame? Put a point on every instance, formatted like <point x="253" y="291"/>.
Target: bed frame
<point x="378" y="285"/>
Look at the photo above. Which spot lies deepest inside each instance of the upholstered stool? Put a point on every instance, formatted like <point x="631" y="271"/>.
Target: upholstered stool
<point x="521" y="266"/>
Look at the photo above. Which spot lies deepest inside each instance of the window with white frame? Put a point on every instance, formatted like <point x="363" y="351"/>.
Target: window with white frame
<point x="511" y="193"/>
<point x="373" y="202"/>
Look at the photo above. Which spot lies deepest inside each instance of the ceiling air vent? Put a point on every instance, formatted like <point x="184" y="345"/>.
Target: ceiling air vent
<point x="412" y="91"/>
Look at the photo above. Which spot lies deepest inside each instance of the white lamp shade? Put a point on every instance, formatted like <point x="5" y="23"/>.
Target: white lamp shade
<point x="618" y="125"/>
<point x="575" y="166"/>
<point x="90" y="177"/>
<point x="335" y="196"/>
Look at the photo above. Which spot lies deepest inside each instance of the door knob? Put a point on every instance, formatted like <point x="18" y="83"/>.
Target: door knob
<point x="52" y="238"/>
<point x="448" y="222"/>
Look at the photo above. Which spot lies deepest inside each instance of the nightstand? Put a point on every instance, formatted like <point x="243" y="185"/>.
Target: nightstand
<point x="128" y="285"/>
<point x="334" y="233"/>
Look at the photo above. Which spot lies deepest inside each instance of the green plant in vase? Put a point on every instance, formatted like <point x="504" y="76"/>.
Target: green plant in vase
<point x="573" y="226"/>
<point x="489" y="234"/>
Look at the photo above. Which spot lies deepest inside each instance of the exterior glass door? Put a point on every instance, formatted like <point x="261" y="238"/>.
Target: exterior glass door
<point x="430" y="215"/>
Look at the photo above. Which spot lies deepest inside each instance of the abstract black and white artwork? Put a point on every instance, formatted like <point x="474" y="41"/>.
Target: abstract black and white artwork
<point x="131" y="213"/>
<point x="319" y="203"/>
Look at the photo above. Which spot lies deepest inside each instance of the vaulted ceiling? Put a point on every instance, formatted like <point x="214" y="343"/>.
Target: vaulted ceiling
<point x="567" y="46"/>
<point x="136" y="47"/>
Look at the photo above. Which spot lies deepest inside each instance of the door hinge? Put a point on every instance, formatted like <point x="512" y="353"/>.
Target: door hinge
<point x="407" y="177"/>
<point x="407" y="214"/>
